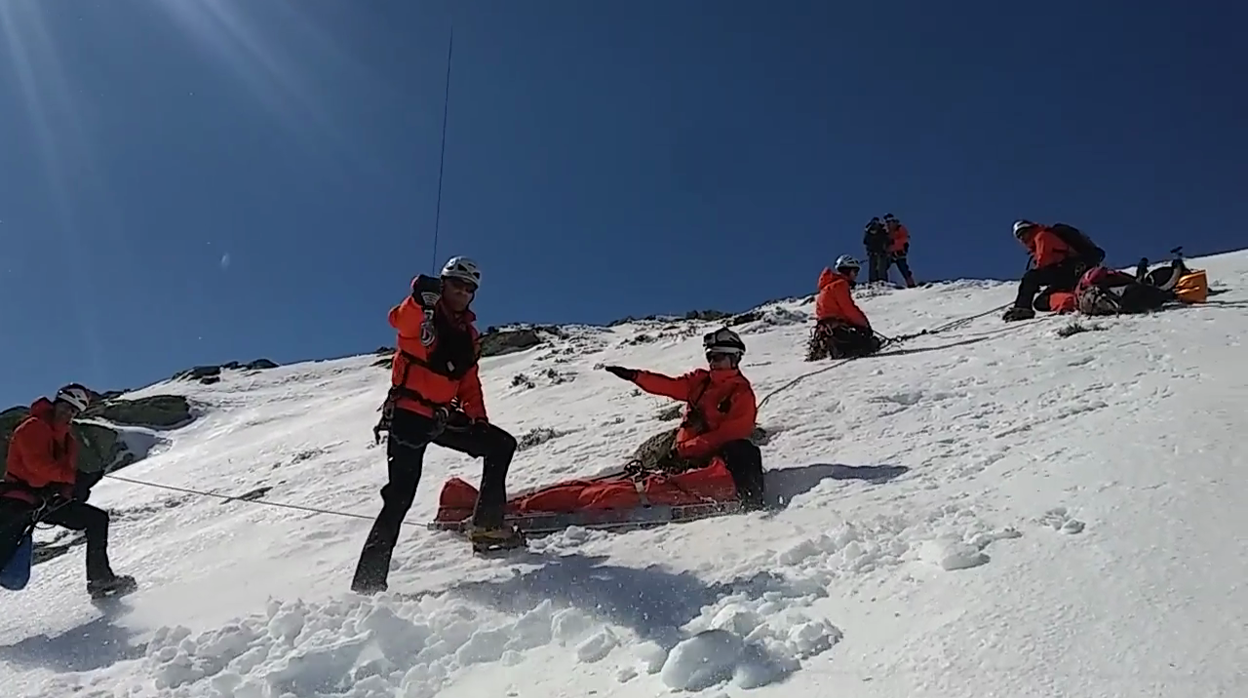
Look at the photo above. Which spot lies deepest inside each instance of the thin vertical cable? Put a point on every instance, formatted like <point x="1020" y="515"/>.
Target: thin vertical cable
<point x="446" y="102"/>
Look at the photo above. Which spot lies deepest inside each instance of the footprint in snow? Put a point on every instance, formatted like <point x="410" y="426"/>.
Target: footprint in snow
<point x="1058" y="519"/>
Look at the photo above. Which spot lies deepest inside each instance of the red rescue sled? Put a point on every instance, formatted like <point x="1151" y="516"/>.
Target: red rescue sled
<point x="612" y="501"/>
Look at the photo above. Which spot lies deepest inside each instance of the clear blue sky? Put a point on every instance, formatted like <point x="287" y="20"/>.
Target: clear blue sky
<point x="603" y="158"/>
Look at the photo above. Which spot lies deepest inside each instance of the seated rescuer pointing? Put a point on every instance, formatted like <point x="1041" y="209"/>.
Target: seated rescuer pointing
<point x="435" y="398"/>
<point x="720" y="410"/>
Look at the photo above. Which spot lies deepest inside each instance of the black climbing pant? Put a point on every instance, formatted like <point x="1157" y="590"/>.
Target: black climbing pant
<point x="903" y="266"/>
<point x="745" y="463"/>
<point x="1058" y="277"/>
<point x="877" y="266"/>
<point x="409" y="436"/>
<point x="16" y="516"/>
<point x="836" y="339"/>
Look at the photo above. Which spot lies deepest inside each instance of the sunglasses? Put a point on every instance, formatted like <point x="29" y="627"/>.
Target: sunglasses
<point x="462" y="285"/>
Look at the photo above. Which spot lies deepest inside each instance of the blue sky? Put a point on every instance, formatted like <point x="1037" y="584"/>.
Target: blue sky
<point x="207" y="180"/>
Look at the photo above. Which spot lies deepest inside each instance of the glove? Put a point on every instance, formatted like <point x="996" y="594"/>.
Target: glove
<point x="627" y="374"/>
<point x="426" y="290"/>
<point x="458" y="421"/>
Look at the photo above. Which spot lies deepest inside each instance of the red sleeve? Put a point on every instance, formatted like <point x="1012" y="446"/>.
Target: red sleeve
<point x="471" y="398"/>
<point x="851" y="310"/>
<point x="666" y="386"/>
<point x="738" y="424"/>
<point x="408" y="318"/>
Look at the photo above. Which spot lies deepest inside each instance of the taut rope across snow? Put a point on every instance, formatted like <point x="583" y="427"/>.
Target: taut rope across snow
<point x="229" y="497"/>
<point x="887" y="341"/>
<point x="315" y="510"/>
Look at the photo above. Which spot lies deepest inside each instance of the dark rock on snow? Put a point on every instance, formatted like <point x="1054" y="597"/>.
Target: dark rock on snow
<point x="210" y="374"/>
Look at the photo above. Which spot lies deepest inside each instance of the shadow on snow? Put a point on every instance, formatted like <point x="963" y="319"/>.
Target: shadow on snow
<point x="652" y="601"/>
<point x="783" y="484"/>
<point x="93" y="645"/>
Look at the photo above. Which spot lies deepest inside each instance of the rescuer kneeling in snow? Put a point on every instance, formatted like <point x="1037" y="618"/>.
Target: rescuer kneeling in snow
<point x="841" y="328"/>
<point x="435" y="398"/>
<point x="41" y="485"/>
<point x="720" y="409"/>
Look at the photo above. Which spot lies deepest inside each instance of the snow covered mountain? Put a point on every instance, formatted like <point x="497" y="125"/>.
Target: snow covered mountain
<point x="995" y="510"/>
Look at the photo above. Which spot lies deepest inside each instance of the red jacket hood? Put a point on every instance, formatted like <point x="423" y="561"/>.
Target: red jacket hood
<point x="827" y="276"/>
<point x="42" y="409"/>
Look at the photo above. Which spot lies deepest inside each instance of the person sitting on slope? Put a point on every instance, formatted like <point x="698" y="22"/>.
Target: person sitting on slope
<point x="1056" y="264"/>
<point x="40" y="487"/>
<point x="841" y="328"/>
<point x="435" y="398"/>
<point x="720" y="409"/>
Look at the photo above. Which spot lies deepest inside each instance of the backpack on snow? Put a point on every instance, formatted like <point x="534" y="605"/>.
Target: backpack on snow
<point x="15" y="574"/>
<point x="1080" y="243"/>
<point x="1103" y="291"/>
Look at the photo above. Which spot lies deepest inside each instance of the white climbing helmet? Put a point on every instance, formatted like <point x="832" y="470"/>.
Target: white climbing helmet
<point x="462" y="268"/>
<point x="723" y="341"/>
<point x="847" y="262"/>
<point x="74" y="395"/>
<point x="1022" y="226"/>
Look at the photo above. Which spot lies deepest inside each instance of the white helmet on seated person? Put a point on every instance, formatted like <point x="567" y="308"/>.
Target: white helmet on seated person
<point x="724" y="341"/>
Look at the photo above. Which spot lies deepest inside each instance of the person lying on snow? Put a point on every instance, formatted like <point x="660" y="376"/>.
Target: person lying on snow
<point x="841" y="328"/>
<point x="720" y="409"/>
<point x="1060" y="255"/>
<point x="1189" y="285"/>
<point x="1104" y="291"/>
<point x="435" y="398"/>
<point x="41" y="485"/>
<point x="898" y="249"/>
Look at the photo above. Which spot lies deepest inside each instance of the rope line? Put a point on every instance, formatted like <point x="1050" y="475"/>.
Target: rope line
<point x="446" y="103"/>
<point x="228" y="497"/>
<point x="887" y="342"/>
<point x="331" y="512"/>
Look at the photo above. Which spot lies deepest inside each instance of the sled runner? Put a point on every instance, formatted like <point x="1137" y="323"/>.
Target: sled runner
<point x="536" y="524"/>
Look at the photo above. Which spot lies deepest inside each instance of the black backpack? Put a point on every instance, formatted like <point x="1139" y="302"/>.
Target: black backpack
<point x="1089" y="253"/>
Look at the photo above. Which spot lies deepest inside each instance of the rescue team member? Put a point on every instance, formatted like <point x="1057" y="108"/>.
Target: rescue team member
<point x="720" y="409"/>
<point x="841" y="328"/>
<point x="1058" y="262"/>
<point x="898" y="249"/>
<point x="876" y="240"/>
<point x="41" y="471"/>
<point x="435" y="398"/>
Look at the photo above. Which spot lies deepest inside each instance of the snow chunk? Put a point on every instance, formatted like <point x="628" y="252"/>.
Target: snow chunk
<point x="598" y="646"/>
<point x="953" y="554"/>
<point x="702" y="661"/>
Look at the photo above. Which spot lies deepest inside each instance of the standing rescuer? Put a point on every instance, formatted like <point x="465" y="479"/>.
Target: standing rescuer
<point x="41" y="470"/>
<point x="435" y="398"/>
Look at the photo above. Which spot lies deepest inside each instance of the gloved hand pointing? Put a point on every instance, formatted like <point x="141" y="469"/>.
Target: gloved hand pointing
<point x="627" y="374"/>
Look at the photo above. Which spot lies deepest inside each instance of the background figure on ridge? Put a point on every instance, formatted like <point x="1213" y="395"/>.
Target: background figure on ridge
<point x="898" y="248"/>
<point x="876" y="241"/>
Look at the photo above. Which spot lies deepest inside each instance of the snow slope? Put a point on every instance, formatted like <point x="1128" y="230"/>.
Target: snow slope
<point x="990" y="511"/>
